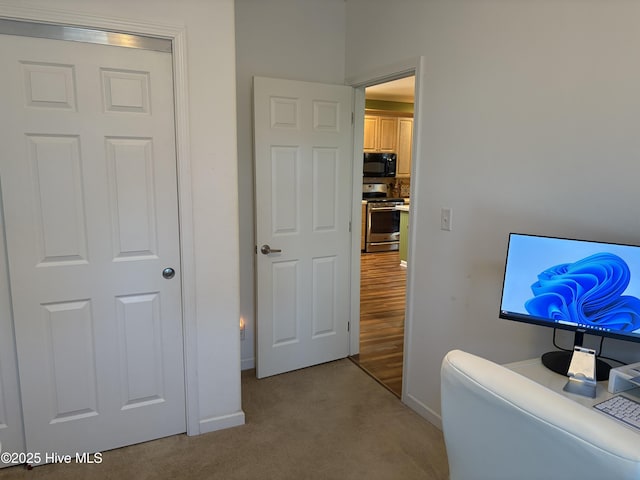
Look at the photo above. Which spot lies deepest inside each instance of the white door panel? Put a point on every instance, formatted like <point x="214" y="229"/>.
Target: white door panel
<point x="303" y="145"/>
<point x="11" y="430"/>
<point x="90" y="202"/>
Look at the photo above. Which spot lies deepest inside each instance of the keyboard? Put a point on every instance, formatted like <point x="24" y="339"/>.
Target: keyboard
<point x="621" y="408"/>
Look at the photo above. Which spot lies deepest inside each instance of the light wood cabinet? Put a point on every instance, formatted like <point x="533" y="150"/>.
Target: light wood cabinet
<point x="390" y="134"/>
<point x="363" y="230"/>
<point x="380" y="134"/>
<point x="404" y="237"/>
<point x="370" y="142"/>
<point x="405" y="142"/>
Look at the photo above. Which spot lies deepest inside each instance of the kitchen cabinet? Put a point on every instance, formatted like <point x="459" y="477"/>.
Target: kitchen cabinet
<point x="370" y="142"/>
<point x="380" y="134"/>
<point x="363" y="230"/>
<point x="404" y="234"/>
<point x="390" y="134"/>
<point x="405" y="142"/>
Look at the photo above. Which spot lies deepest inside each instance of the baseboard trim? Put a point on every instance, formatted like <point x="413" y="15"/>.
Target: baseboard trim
<point x="247" y="363"/>
<point x="421" y="409"/>
<point x="220" y="423"/>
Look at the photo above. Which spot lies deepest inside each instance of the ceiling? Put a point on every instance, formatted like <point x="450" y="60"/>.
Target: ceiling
<point x="401" y="90"/>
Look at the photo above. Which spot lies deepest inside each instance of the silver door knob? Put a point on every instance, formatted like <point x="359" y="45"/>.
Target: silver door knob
<point x="168" y="273"/>
<point x="266" y="250"/>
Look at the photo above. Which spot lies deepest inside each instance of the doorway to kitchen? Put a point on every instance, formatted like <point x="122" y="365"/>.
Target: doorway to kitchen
<point x="386" y="188"/>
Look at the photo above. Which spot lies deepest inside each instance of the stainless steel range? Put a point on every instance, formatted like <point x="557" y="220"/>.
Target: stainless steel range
<point x="383" y="220"/>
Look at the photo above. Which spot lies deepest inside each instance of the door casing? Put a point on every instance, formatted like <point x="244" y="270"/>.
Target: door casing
<point x="412" y="66"/>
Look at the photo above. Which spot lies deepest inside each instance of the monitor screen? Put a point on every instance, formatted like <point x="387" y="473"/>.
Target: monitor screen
<point x="573" y="285"/>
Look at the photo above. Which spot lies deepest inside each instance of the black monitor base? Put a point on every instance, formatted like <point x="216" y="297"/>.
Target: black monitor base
<point x="559" y="362"/>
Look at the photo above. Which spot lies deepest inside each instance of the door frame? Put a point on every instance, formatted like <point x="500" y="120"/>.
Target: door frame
<point x="177" y="35"/>
<point x="412" y="66"/>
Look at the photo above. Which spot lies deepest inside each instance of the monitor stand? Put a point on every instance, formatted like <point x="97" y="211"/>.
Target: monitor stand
<point x="559" y="361"/>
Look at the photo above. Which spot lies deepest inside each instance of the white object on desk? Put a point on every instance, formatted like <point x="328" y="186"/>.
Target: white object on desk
<point x="582" y="372"/>
<point x="621" y="408"/>
<point x="624" y="378"/>
<point x="534" y="370"/>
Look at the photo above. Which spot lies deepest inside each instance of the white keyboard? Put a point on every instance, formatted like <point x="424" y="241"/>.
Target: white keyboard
<point x="621" y="408"/>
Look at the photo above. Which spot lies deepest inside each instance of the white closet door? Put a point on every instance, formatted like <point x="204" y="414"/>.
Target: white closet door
<point x="89" y="189"/>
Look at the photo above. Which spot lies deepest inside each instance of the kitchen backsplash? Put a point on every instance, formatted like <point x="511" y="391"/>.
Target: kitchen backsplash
<point x="397" y="187"/>
<point x="400" y="188"/>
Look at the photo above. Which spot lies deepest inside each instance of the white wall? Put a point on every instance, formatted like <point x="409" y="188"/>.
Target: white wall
<point x="292" y="39"/>
<point x="211" y="90"/>
<point x="529" y="123"/>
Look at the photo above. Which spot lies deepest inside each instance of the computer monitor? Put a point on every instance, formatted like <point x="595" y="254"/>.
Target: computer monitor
<point x="583" y="286"/>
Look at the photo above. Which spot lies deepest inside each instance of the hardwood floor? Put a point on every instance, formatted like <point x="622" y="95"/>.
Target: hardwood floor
<point x="382" y="304"/>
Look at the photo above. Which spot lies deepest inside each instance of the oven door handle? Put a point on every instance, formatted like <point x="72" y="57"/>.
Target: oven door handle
<point x="383" y="209"/>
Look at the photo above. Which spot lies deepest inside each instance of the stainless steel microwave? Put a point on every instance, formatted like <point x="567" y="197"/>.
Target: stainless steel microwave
<point x="379" y="165"/>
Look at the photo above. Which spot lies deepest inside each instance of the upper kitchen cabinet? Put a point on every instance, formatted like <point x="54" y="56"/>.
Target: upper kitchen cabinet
<point x="390" y="134"/>
<point x="380" y="133"/>
<point x="405" y="141"/>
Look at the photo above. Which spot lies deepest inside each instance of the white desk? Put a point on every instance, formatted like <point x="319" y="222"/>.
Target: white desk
<point x="537" y="372"/>
<point x="511" y="421"/>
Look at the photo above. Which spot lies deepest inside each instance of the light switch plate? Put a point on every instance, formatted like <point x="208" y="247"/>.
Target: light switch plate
<point x="445" y="219"/>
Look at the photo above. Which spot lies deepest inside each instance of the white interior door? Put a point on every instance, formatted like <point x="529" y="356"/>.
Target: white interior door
<point x="88" y="178"/>
<point x="303" y="150"/>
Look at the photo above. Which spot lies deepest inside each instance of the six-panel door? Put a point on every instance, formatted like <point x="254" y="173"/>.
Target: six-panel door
<point x="303" y="152"/>
<point x="89" y="198"/>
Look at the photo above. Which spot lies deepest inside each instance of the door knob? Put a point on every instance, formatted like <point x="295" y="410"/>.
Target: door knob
<point x="168" y="273"/>
<point x="266" y="250"/>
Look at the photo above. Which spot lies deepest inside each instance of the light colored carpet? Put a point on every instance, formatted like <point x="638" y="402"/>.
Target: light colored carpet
<point x="329" y="422"/>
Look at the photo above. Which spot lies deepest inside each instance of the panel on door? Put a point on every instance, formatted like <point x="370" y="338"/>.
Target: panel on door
<point x="90" y="202"/>
<point x="303" y="144"/>
<point x="11" y="430"/>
